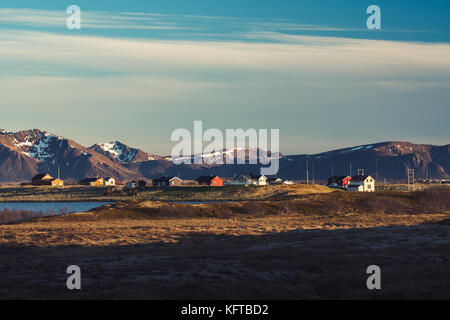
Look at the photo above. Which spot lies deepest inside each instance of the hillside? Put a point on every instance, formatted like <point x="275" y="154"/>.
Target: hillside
<point x="25" y="153"/>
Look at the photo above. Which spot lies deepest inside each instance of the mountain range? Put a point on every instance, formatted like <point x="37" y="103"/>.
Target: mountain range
<point x="26" y="153"/>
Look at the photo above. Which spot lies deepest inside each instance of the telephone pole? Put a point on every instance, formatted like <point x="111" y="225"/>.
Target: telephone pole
<point x="410" y="173"/>
<point x="307" y="173"/>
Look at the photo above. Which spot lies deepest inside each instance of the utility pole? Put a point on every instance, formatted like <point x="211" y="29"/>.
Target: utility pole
<point x="307" y="173"/>
<point x="332" y="170"/>
<point x="350" y="168"/>
<point x="418" y="170"/>
<point x="313" y="172"/>
<point x="410" y="173"/>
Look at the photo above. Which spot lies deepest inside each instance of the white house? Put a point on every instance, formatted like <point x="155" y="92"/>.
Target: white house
<point x="258" y="180"/>
<point x="109" y="181"/>
<point x="362" y="183"/>
<point x="275" y="180"/>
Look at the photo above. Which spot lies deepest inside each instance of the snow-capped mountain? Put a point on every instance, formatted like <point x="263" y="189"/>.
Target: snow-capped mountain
<point x="26" y="153"/>
<point x="117" y="151"/>
<point x="251" y="155"/>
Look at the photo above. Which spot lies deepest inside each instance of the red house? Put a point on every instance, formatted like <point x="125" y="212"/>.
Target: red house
<point x="339" y="181"/>
<point x="213" y="181"/>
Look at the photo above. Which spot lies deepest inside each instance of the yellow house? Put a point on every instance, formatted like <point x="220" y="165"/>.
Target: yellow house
<point x="57" y="183"/>
<point x="96" y="182"/>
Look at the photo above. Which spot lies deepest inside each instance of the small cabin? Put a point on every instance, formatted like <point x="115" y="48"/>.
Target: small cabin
<point x="362" y="183"/>
<point x="42" y="179"/>
<point x="142" y="184"/>
<point x="167" y="182"/>
<point x="57" y="183"/>
<point x="338" y="181"/>
<point x="275" y="180"/>
<point x="259" y="180"/>
<point x="212" y="181"/>
<point x="97" y="182"/>
<point x="109" y="181"/>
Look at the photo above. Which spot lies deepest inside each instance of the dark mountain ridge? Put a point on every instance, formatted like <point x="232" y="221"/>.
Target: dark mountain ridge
<point x="26" y="153"/>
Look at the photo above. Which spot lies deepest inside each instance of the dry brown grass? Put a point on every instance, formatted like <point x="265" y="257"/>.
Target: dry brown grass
<point x="130" y="223"/>
<point x="315" y="246"/>
<point x="87" y="193"/>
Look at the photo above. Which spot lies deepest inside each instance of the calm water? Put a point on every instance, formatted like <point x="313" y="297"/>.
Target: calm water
<point x="56" y="207"/>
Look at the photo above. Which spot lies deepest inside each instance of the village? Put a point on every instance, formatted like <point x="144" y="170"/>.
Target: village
<point x="359" y="183"/>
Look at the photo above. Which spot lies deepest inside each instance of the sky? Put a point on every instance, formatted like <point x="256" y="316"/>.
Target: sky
<point x="137" y="70"/>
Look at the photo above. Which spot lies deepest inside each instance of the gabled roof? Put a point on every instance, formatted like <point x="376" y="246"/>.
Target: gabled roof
<point x="90" y="179"/>
<point x="206" y="179"/>
<point x="40" y="176"/>
<point x="251" y="176"/>
<point x="164" y="178"/>
<point x="360" y="178"/>
<point x="338" y="178"/>
<point x="257" y="177"/>
<point x="243" y="175"/>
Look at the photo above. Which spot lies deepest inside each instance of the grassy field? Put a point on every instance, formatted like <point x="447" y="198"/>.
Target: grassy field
<point x="86" y="193"/>
<point x="314" y="245"/>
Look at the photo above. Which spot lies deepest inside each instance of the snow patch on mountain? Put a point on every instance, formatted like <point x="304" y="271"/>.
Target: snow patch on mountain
<point x="42" y="150"/>
<point x="117" y="150"/>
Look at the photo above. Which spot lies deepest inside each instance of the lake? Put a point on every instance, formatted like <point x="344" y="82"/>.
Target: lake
<point x="52" y="207"/>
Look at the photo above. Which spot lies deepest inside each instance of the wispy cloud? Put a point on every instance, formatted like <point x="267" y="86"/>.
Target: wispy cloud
<point x="188" y="26"/>
<point x="90" y="19"/>
<point x="259" y="77"/>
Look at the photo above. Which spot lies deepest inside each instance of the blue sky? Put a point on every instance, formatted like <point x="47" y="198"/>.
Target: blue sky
<point x="137" y="70"/>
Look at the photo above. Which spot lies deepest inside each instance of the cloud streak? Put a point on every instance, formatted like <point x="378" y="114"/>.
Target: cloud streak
<point x="142" y="88"/>
<point x="197" y="26"/>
